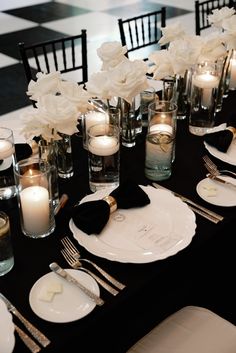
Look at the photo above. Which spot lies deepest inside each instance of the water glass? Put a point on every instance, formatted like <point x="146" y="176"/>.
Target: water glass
<point x="103" y="156"/>
<point x="6" y="251"/>
<point x="33" y="180"/>
<point x="7" y="161"/>
<point x="160" y="140"/>
<point x="204" y="93"/>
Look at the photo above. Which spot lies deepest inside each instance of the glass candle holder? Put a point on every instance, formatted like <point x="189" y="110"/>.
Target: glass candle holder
<point x="33" y="181"/>
<point x="160" y="140"/>
<point x="7" y="161"/>
<point x="204" y="93"/>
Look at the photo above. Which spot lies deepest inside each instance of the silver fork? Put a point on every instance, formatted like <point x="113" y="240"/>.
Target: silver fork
<point x="75" y="252"/>
<point x="214" y="169"/>
<point x="77" y="265"/>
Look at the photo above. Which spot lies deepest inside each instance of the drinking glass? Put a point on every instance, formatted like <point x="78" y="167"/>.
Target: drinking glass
<point x="160" y="140"/>
<point x="103" y="156"/>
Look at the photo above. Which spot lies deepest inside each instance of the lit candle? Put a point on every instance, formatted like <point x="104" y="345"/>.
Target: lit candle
<point x="6" y="149"/>
<point x="103" y="145"/>
<point x="33" y="177"/>
<point x="35" y="209"/>
<point x="232" y="80"/>
<point x="207" y="82"/>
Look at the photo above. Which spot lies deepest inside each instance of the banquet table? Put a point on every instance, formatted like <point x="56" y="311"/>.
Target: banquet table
<point x="201" y="274"/>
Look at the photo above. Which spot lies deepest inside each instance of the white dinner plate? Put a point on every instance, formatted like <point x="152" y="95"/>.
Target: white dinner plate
<point x="69" y="305"/>
<point x="217" y="193"/>
<point x="7" y="337"/>
<point x="228" y="157"/>
<point x="142" y="234"/>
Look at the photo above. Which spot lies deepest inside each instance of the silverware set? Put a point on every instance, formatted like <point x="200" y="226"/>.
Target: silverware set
<point x="72" y="256"/>
<point x="38" y="335"/>
<point x="213" y="169"/>
<point x="202" y="211"/>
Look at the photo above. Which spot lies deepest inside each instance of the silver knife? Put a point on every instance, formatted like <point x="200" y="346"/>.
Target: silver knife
<point x="221" y="180"/>
<point x="39" y="336"/>
<point x="64" y="274"/>
<point x="197" y="208"/>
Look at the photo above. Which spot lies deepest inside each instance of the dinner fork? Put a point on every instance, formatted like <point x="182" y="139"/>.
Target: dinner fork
<point x="214" y="170"/>
<point x="33" y="347"/>
<point x="75" y="252"/>
<point x="77" y="265"/>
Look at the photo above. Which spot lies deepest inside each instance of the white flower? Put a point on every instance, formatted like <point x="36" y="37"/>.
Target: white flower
<point x="46" y="83"/>
<point x="128" y="79"/>
<point x="229" y="27"/>
<point x="111" y="54"/>
<point x="98" y="85"/>
<point x="212" y="47"/>
<point x="162" y="65"/>
<point x="76" y="94"/>
<point x="218" y="16"/>
<point x="171" y="32"/>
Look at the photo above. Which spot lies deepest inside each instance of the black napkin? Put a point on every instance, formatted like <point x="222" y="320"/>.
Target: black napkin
<point x="92" y="216"/>
<point x="222" y="139"/>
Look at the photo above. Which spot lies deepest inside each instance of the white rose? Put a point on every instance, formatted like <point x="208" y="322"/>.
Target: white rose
<point x="46" y="83"/>
<point x="128" y="79"/>
<point x="218" y="16"/>
<point x="76" y="94"/>
<point x="162" y="65"/>
<point x="111" y="54"/>
<point x="98" y="85"/>
<point x="171" y="32"/>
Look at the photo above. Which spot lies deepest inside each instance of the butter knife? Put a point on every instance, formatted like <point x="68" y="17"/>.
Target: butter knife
<point x="214" y="217"/>
<point x="64" y="274"/>
<point x="220" y="180"/>
<point x="39" y="336"/>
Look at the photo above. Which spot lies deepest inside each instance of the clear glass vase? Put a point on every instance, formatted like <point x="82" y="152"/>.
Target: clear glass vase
<point x="128" y="122"/>
<point x="64" y="157"/>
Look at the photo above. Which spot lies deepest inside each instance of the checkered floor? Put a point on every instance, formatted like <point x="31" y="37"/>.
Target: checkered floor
<point x="34" y="21"/>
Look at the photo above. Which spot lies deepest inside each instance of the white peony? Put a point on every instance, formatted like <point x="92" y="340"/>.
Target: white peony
<point x="111" y="54"/>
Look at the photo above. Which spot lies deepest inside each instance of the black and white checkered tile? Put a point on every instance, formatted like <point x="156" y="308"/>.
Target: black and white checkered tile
<point x="35" y="21"/>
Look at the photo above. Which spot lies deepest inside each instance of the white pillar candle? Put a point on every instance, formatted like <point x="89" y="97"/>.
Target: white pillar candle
<point x="103" y="145"/>
<point x="6" y="149"/>
<point x="93" y="118"/>
<point x="35" y="209"/>
<point x="232" y="80"/>
<point x="207" y="82"/>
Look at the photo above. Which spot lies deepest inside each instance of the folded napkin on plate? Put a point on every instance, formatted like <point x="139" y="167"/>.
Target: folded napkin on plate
<point x="222" y="139"/>
<point x="92" y="216"/>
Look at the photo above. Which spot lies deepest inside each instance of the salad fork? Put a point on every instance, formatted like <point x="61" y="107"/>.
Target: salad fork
<point x="214" y="169"/>
<point x="77" y="265"/>
<point x="76" y="254"/>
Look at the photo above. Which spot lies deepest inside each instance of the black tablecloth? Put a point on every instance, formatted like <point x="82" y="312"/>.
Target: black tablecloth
<point x="201" y="274"/>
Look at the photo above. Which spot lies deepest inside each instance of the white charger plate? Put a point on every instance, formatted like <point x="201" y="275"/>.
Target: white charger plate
<point x="7" y="337"/>
<point x="223" y="195"/>
<point x="143" y="234"/>
<point x="69" y="305"/>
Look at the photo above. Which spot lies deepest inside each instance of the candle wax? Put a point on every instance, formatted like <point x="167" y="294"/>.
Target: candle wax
<point x="6" y="149"/>
<point x="35" y="209"/>
<point x="103" y="145"/>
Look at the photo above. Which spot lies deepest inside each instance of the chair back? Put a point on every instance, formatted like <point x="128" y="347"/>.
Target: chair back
<point x="64" y="54"/>
<point x="142" y="31"/>
<point x="204" y="8"/>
